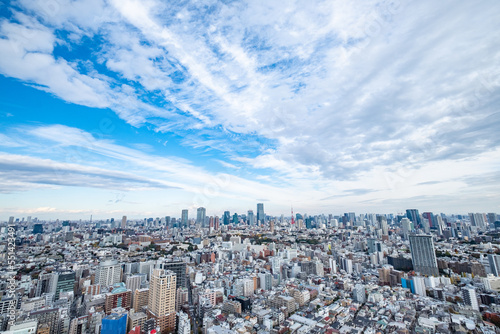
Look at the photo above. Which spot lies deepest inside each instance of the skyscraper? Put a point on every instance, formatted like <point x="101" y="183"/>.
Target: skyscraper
<point x="201" y="213"/>
<point x="414" y="216"/>
<point x="227" y="218"/>
<point x="161" y="304"/>
<point x="184" y="218"/>
<point x="124" y="222"/>
<point x="251" y="218"/>
<point x="423" y="255"/>
<point x="260" y="213"/>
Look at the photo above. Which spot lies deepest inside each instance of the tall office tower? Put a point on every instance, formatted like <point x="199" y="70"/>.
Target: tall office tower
<point x="261" y="218"/>
<point x="494" y="261"/>
<point x="423" y="255"/>
<point x="414" y="216"/>
<point x="352" y="217"/>
<point x="226" y="218"/>
<point x="271" y="226"/>
<point x="184" y="218"/>
<point x="359" y="294"/>
<point x="179" y="268"/>
<point x="65" y="283"/>
<point x="124" y="222"/>
<point x="382" y="224"/>
<point x="11" y="220"/>
<point x="235" y="219"/>
<point x="161" y="304"/>
<point x="108" y="273"/>
<point x="492" y="218"/>
<point x="201" y="213"/>
<point x="406" y="227"/>
<point x="251" y="218"/>
<point x="470" y="298"/>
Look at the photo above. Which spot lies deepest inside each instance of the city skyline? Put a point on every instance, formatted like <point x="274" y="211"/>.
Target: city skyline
<point x="146" y="109"/>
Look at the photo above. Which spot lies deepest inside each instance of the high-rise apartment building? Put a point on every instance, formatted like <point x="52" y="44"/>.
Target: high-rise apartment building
<point x="141" y="299"/>
<point x="108" y="273"/>
<point x="423" y="255"/>
<point x="161" y="304"/>
<point x="120" y="296"/>
<point x="133" y="282"/>
<point x="470" y="298"/>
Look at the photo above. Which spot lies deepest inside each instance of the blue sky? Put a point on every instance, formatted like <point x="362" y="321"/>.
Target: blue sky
<point x="145" y="108"/>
